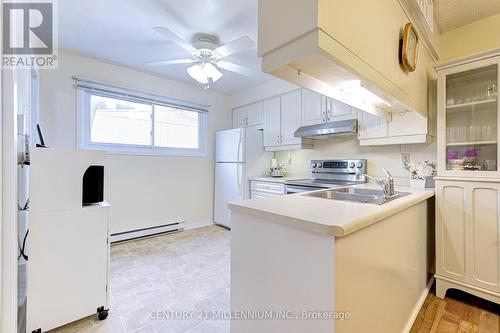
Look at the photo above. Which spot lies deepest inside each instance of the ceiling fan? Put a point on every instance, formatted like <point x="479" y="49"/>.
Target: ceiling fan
<point x="207" y="56"/>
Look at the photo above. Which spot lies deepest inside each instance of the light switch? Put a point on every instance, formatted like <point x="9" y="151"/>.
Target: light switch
<point x="405" y="159"/>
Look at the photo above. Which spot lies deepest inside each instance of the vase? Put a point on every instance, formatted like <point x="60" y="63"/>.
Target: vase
<point x="427" y="182"/>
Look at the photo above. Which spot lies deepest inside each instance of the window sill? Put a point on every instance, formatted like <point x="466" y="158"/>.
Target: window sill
<point x="147" y="152"/>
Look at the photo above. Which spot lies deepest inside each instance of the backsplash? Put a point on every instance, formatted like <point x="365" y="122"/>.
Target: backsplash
<point x="348" y="148"/>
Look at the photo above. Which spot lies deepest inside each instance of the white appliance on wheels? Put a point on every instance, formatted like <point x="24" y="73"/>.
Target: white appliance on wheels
<point x="68" y="242"/>
<point x="239" y="155"/>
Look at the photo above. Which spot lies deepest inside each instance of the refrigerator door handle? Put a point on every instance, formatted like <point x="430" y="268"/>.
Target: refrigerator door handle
<point x="238" y="176"/>
<point x="240" y="146"/>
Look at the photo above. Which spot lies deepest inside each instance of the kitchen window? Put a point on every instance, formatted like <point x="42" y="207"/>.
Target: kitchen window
<point x="123" y="121"/>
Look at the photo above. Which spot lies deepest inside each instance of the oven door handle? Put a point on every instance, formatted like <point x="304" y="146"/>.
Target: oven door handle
<point x="289" y="189"/>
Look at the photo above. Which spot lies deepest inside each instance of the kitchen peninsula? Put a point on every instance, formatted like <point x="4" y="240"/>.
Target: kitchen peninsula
<point x="312" y="256"/>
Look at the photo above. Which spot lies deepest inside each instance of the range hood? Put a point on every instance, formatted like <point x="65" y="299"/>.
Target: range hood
<point x="328" y="130"/>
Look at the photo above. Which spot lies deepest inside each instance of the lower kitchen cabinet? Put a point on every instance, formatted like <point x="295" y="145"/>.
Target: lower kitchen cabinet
<point x="467" y="237"/>
<point x="261" y="189"/>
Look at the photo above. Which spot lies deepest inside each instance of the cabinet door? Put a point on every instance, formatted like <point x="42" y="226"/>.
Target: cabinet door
<point x="450" y="229"/>
<point x="272" y="126"/>
<point x="313" y="108"/>
<point x="290" y="117"/>
<point x="239" y="117"/>
<point x="467" y="232"/>
<point x="371" y="126"/>
<point x="483" y="248"/>
<point x="468" y="120"/>
<point x="268" y="187"/>
<point x="340" y="111"/>
<point x="409" y="123"/>
<point x="254" y="114"/>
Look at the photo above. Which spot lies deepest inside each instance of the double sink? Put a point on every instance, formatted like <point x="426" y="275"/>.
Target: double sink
<point x="354" y="194"/>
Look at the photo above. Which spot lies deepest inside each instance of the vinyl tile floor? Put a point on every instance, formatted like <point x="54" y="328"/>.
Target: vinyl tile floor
<point x="184" y="276"/>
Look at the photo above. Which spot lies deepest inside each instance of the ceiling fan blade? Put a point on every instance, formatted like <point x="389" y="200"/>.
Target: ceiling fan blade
<point x="172" y="36"/>
<point x="237" y="68"/>
<point x="235" y="46"/>
<point x="171" y="62"/>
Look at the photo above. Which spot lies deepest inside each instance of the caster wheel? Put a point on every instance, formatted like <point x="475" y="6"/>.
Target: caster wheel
<point x="102" y="314"/>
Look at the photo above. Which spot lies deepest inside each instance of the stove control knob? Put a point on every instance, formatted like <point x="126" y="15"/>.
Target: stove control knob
<point x="351" y="164"/>
<point x="313" y="164"/>
<point x="359" y="165"/>
<point x="320" y="164"/>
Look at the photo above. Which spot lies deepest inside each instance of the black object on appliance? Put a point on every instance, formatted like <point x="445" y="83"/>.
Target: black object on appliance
<point x="40" y="137"/>
<point x="93" y="185"/>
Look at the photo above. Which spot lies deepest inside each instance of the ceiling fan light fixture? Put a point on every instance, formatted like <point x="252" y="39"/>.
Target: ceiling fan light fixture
<point x="204" y="72"/>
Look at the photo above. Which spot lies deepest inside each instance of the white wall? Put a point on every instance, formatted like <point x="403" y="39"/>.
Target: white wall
<point x="297" y="162"/>
<point x="348" y="148"/>
<point x="269" y="89"/>
<point x="143" y="191"/>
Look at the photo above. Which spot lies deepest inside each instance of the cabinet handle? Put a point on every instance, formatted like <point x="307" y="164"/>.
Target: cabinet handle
<point x="278" y="139"/>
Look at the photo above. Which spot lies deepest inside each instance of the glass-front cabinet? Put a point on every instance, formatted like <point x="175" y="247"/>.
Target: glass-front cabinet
<point x="468" y="119"/>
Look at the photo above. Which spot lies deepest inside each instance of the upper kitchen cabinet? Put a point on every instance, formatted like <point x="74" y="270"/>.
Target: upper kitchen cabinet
<point x="468" y="117"/>
<point x="313" y="107"/>
<point x="290" y="117"/>
<point x="272" y="122"/>
<point x="320" y="45"/>
<point x="340" y="111"/>
<point x="239" y="117"/>
<point x="249" y="115"/>
<point x="282" y="117"/>
<point x="404" y="128"/>
<point x="317" y="109"/>
<point x="371" y="127"/>
<point x="255" y="114"/>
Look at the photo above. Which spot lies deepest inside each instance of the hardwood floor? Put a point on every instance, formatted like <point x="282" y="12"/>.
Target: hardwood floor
<point x="457" y="313"/>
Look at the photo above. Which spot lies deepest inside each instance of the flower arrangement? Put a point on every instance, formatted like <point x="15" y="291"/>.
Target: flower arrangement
<point x="278" y="170"/>
<point x="421" y="173"/>
<point x="421" y="170"/>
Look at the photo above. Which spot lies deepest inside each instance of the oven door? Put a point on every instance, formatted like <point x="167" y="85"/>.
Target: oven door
<point x="290" y="189"/>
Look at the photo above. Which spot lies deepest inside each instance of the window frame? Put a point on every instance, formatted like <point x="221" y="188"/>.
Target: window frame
<point x="83" y="129"/>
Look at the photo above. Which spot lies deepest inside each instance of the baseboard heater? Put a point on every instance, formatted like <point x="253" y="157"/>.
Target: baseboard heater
<point x="145" y="232"/>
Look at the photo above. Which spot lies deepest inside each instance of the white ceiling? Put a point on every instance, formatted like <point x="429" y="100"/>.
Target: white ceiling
<point x="452" y="14"/>
<point x="121" y="31"/>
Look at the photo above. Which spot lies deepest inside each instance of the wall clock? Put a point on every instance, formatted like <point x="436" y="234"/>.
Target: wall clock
<point x="408" y="53"/>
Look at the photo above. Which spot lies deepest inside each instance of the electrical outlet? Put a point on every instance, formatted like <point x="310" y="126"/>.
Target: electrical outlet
<point x="405" y="159"/>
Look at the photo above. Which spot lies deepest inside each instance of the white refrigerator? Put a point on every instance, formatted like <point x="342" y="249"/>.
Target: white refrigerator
<point x="239" y="155"/>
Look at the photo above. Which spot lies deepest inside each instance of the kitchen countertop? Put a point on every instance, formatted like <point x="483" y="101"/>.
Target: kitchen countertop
<point x="277" y="179"/>
<point x="331" y="217"/>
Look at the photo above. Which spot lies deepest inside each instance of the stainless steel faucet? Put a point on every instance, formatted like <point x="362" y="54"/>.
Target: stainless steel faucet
<point x="386" y="184"/>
